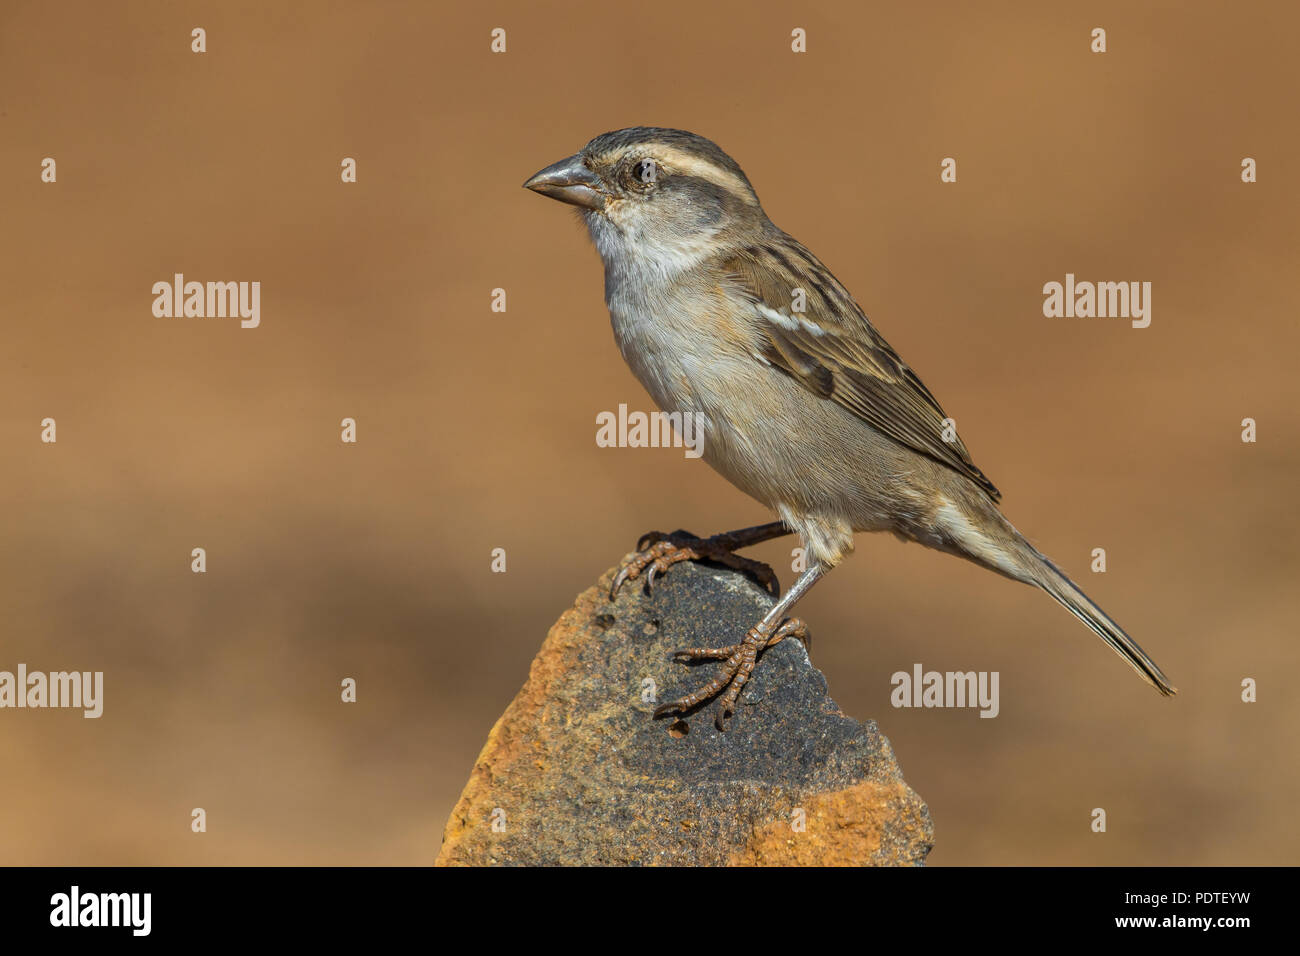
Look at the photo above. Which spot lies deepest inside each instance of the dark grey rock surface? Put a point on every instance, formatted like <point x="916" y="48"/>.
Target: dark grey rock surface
<point x="577" y="771"/>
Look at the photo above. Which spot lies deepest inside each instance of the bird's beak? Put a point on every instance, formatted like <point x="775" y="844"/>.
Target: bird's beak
<point x="569" y="181"/>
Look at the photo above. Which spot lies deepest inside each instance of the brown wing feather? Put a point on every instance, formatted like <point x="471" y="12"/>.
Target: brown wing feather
<point x="837" y="354"/>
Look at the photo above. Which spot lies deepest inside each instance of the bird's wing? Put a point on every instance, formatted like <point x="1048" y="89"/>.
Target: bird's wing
<point x="831" y="349"/>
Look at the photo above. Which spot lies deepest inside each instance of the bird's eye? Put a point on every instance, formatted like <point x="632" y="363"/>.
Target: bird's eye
<point x="645" y="171"/>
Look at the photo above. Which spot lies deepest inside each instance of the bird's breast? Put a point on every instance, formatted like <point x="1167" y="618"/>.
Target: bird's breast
<point x="675" y="338"/>
<point x="687" y="345"/>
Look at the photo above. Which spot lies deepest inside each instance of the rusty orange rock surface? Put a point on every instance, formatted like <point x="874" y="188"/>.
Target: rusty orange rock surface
<point x="576" y="771"/>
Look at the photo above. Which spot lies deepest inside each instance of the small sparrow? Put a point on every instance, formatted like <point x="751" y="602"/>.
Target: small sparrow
<point x="803" y="405"/>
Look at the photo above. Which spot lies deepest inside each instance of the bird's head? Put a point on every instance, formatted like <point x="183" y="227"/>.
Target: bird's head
<point x="663" y="196"/>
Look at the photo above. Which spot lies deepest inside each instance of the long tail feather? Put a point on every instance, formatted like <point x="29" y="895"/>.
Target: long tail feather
<point x="1099" y="622"/>
<point x="979" y="532"/>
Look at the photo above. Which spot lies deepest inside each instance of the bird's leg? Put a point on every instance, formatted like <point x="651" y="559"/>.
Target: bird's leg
<point x="657" y="552"/>
<point x="741" y="658"/>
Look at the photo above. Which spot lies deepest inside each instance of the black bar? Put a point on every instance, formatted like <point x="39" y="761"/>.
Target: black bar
<point x="651" y="907"/>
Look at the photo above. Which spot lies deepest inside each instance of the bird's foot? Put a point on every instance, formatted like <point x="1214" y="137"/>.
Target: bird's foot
<point x="740" y="662"/>
<point x="656" y="552"/>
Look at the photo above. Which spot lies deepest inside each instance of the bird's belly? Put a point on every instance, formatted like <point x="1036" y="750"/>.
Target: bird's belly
<point x="761" y="430"/>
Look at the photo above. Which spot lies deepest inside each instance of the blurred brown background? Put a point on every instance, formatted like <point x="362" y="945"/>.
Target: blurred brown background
<point x="477" y="429"/>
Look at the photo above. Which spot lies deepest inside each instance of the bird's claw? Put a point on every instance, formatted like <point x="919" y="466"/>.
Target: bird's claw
<point x="644" y="542"/>
<point x="741" y="659"/>
<point x="656" y="552"/>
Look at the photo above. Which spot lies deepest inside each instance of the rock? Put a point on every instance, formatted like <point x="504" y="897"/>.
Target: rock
<point x="576" y="771"/>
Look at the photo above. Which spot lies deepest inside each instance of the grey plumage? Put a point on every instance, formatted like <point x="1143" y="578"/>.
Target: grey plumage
<point x="805" y="406"/>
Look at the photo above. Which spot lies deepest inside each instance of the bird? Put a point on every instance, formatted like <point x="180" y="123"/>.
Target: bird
<point x="800" y="401"/>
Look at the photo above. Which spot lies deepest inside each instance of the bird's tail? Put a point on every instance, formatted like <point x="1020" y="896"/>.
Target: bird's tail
<point x="1054" y="582"/>
<point x="1010" y="554"/>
